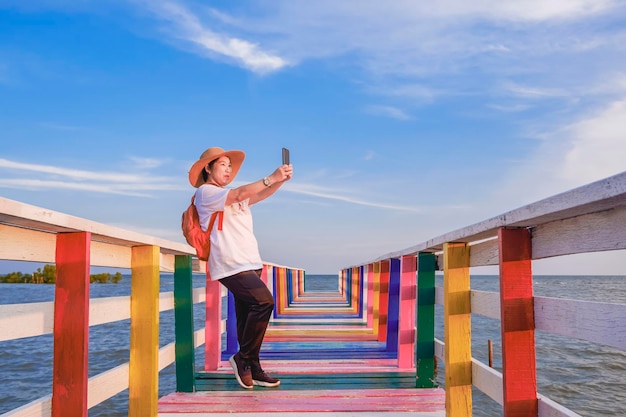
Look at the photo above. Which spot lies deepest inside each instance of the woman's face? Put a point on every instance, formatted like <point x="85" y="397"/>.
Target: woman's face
<point x="220" y="170"/>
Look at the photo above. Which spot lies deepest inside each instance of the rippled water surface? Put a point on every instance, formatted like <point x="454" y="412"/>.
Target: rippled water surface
<point x="584" y="377"/>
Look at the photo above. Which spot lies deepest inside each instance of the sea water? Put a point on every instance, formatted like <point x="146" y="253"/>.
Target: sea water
<point x="587" y="378"/>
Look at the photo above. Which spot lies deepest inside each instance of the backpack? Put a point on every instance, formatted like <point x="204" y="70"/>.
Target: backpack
<point x="195" y="236"/>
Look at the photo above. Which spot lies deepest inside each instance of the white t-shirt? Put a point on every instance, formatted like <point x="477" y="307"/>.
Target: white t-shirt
<point x="234" y="249"/>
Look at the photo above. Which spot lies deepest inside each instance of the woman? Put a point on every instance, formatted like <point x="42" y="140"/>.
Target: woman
<point x="234" y="259"/>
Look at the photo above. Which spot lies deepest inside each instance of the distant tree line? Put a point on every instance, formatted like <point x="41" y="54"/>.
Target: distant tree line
<point x="49" y="274"/>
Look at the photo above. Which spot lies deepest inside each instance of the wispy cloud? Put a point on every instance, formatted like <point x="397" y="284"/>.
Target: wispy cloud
<point x="142" y="185"/>
<point x="388" y="111"/>
<point x="509" y="108"/>
<point x="369" y="155"/>
<point x="74" y="174"/>
<point x="187" y="26"/>
<point x="598" y="145"/>
<point x="32" y="184"/>
<point x="326" y="193"/>
<point x="530" y="10"/>
<point x="590" y="147"/>
<point x="74" y="179"/>
<point x="414" y="91"/>
<point x="146" y="163"/>
<point x="529" y="92"/>
<point x="425" y="53"/>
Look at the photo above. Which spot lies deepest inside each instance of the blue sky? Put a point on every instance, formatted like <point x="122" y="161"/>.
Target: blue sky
<point x="405" y="119"/>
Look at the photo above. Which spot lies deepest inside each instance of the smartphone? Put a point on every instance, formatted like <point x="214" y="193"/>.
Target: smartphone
<point x="285" y="156"/>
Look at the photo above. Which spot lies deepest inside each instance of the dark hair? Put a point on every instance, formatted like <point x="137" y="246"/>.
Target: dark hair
<point x="205" y="175"/>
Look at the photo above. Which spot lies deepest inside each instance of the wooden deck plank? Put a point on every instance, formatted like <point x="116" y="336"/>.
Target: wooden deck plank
<point x="419" y="402"/>
<point x="311" y="388"/>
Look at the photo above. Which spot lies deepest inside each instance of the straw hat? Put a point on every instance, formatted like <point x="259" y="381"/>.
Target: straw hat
<point x="195" y="173"/>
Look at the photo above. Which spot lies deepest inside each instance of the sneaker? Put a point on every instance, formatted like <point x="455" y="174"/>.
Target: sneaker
<point x="260" y="378"/>
<point x="241" y="367"/>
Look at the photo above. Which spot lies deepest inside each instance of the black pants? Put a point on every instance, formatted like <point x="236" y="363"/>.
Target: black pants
<point x="254" y="304"/>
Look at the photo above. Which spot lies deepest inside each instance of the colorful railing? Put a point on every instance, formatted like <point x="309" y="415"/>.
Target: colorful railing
<point x="393" y="297"/>
<point x="591" y="218"/>
<point x="29" y="233"/>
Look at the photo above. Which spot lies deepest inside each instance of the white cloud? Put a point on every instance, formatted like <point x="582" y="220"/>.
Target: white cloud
<point x="410" y="92"/>
<point x="509" y="108"/>
<point x="528" y="10"/>
<point x="76" y="174"/>
<point x="145" y="163"/>
<point x="598" y="146"/>
<point x="590" y="147"/>
<point x="388" y="111"/>
<point x="369" y="155"/>
<point x="188" y="27"/>
<point x="34" y="184"/>
<point x="528" y="92"/>
<point x="75" y="179"/>
<point x="326" y="193"/>
<point x="414" y="52"/>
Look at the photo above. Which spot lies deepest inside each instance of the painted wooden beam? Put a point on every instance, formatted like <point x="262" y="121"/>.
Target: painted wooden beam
<point x="289" y="287"/>
<point x="265" y="272"/>
<point x="213" y="324"/>
<point x="519" y="377"/>
<point x="143" y="382"/>
<point x="183" y="324"/>
<point x="370" y="296"/>
<point x="232" y="344"/>
<point x="457" y="329"/>
<point x="383" y="300"/>
<point x="349" y="283"/>
<point x="280" y="296"/>
<point x="376" y="298"/>
<point x="425" y="347"/>
<point x="362" y="291"/>
<point x="71" y="325"/>
<point x="406" y="319"/>
<point x="356" y="291"/>
<point x="393" y="306"/>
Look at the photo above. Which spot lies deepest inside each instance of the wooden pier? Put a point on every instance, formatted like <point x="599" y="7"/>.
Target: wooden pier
<point x="330" y="351"/>
<point x="368" y="348"/>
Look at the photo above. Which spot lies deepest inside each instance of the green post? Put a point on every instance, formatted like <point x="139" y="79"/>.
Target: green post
<point x="183" y="322"/>
<point x="425" y="346"/>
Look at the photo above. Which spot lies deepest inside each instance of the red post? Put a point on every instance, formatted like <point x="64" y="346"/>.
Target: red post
<point x="519" y="376"/>
<point x="71" y="325"/>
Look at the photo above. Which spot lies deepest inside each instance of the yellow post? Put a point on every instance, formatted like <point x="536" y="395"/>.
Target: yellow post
<point x="144" y="332"/>
<point x="457" y="329"/>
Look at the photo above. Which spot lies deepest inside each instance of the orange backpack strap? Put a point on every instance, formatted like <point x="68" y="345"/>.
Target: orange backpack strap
<point x="212" y="221"/>
<point x="213" y="216"/>
<point x="221" y="221"/>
